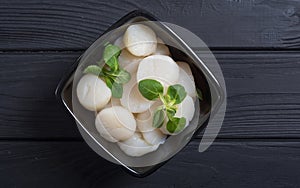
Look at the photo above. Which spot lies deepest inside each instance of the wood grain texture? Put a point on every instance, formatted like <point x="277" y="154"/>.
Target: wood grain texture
<point x="28" y="104"/>
<point x="225" y="164"/>
<point x="73" y="25"/>
<point x="263" y="95"/>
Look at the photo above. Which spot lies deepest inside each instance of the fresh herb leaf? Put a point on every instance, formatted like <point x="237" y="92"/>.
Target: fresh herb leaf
<point x="176" y="124"/>
<point x="171" y="113"/>
<point x="150" y="89"/>
<point x="199" y="94"/>
<point x="117" y="90"/>
<point x="93" y="69"/>
<point x="109" y="82"/>
<point x="123" y="77"/>
<point x="111" y="73"/>
<point x="177" y="93"/>
<point x="158" y="118"/>
<point x="111" y="51"/>
<point x="113" y="63"/>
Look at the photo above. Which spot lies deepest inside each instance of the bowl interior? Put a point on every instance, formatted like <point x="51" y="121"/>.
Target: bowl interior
<point x="85" y="119"/>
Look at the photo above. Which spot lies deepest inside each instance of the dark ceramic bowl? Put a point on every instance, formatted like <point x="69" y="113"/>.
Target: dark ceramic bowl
<point x="204" y="80"/>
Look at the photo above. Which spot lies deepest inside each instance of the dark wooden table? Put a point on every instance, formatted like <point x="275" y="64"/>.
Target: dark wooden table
<point x="257" y="43"/>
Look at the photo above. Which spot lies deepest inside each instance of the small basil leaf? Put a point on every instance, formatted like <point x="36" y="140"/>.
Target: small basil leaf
<point x="109" y="82"/>
<point x="166" y="99"/>
<point x="171" y="126"/>
<point x="110" y="51"/>
<point x="93" y="69"/>
<point x="177" y="93"/>
<point x="158" y="118"/>
<point x="176" y="124"/>
<point x="117" y="90"/>
<point x="171" y="113"/>
<point x="113" y="63"/>
<point x="199" y="94"/>
<point x="181" y="124"/>
<point x="123" y="77"/>
<point x="150" y="89"/>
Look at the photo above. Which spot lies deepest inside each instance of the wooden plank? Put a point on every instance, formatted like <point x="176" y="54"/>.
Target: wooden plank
<point x="225" y="164"/>
<point x="29" y="108"/>
<point x="65" y="25"/>
<point x="263" y="95"/>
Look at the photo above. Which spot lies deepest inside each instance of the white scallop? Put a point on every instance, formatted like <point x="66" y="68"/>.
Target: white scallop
<point x="185" y="109"/>
<point x="140" y="40"/>
<point x="158" y="67"/>
<point x="132" y="98"/>
<point x="135" y="146"/>
<point x="154" y="137"/>
<point x="119" y="42"/>
<point x="118" y="122"/>
<point x="144" y="125"/>
<point x="144" y="119"/>
<point x="159" y="40"/>
<point x="102" y="130"/>
<point x="113" y="102"/>
<point x="127" y="59"/>
<point x="161" y="48"/>
<point x="185" y="66"/>
<point x="92" y="92"/>
<point x="186" y="79"/>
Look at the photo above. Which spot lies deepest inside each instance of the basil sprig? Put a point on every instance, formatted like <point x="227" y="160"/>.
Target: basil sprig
<point x="113" y="75"/>
<point x="151" y="90"/>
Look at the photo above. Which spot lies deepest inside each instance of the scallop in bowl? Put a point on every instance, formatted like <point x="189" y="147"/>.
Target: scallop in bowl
<point x="135" y="93"/>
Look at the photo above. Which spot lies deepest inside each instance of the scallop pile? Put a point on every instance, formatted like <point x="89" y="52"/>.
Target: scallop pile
<point x="140" y="94"/>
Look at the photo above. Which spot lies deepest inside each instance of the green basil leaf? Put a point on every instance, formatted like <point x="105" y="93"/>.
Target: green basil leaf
<point x="109" y="82"/>
<point x="110" y="51"/>
<point x="199" y="94"/>
<point x="171" y="113"/>
<point x="123" y="77"/>
<point x="177" y="93"/>
<point x="150" y="89"/>
<point x="113" y="63"/>
<point x="176" y="124"/>
<point x="93" y="69"/>
<point x="158" y="118"/>
<point x="117" y="90"/>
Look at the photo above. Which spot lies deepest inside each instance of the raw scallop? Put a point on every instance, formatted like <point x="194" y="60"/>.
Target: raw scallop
<point x="119" y="124"/>
<point x="144" y="120"/>
<point x="92" y="92"/>
<point x="154" y="137"/>
<point x="119" y="42"/>
<point x="144" y="124"/>
<point x="140" y="40"/>
<point x="136" y="146"/>
<point x="103" y="131"/>
<point x="132" y="98"/>
<point x="186" y="79"/>
<point x="161" y="48"/>
<point x="158" y="67"/>
<point x="126" y="58"/>
<point x="113" y="102"/>
<point x="185" y="109"/>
